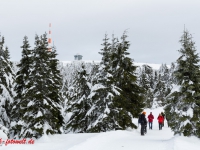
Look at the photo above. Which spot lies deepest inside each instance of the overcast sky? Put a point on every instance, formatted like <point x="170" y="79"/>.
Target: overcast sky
<point x="78" y="26"/>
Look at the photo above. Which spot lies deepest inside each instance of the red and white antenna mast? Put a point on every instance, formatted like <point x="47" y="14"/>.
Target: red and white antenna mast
<point x="49" y="39"/>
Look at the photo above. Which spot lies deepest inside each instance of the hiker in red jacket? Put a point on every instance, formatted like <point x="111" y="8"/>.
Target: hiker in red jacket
<point x="150" y="120"/>
<point x="160" y="121"/>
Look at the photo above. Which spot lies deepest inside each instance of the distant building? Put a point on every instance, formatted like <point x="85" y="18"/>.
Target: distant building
<point x="78" y="57"/>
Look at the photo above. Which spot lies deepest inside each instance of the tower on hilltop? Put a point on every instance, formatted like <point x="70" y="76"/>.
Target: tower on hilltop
<point x="49" y="39"/>
<point x="78" y="57"/>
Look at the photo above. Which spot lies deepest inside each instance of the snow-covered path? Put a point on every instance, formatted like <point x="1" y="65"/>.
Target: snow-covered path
<point x="114" y="140"/>
<point x="129" y="140"/>
<point x="132" y="139"/>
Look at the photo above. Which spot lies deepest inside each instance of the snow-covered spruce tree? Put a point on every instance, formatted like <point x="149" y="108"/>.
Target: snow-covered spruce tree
<point x="130" y="102"/>
<point x="163" y="85"/>
<point x="64" y="91"/>
<point x="22" y="77"/>
<point x="92" y="74"/>
<point x="64" y="96"/>
<point x="79" y="103"/>
<point x="155" y="77"/>
<point x="159" y="92"/>
<point x="41" y="105"/>
<point x="183" y="109"/>
<point x="172" y="79"/>
<point x="54" y="79"/>
<point x="164" y="71"/>
<point x="103" y="114"/>
<point x="6" y="84"/>
<point x="146" y="81"/>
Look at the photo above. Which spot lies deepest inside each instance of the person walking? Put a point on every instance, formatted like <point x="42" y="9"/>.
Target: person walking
<point x="143" y="122"/>
<point x="150" y="120"/>
<point x="160" y="121"/>
<point x="162" y="113"/>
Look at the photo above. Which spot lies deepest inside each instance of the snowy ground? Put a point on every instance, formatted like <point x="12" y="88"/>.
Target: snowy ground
<point x="114" y="140"/>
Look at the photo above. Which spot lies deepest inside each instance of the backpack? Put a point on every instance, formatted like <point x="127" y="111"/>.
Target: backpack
<point x="139" y="119"/>
<point x="142" y="119"/>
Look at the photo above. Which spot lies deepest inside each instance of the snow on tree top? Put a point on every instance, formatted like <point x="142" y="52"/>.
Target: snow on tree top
<point x="154" y="66"/>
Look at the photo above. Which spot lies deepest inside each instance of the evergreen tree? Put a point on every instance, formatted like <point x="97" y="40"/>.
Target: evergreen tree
<point x="64" y="96"/>
<point x="41" y="106"/>
<point x="103" y="113"/>
<point x="79" y="104"/>
<point x="22" y="77"/>
<point x="6" y="84"/>
<point x="183" y="109"/>
<point x="64" y="93"/>
<point x="92" y="74"/>
<point x="155" y="77"/>
<point x="55" y="78"/>
<point x="160" y="91"/>
<point x="130" y="101"/>
<point x="146" y="81"/>
<point x="171" y="73"/>
<point x="163" y="85"/>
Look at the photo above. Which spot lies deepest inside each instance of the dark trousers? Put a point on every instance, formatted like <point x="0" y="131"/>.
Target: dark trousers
<point x="160" y="126"/>
<point x="150" y="125"/>
<point x="145" y="128"/>
<point x="142" y="129"/>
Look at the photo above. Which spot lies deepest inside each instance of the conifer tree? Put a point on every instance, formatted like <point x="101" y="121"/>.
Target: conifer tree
<point x="130" y="101"/>
<point x="160" y="91"/>
<point x="64" y="96"/>
<point x="146" y="81"/>
<point x="22" y="77"/>
<point x="41" y="106"/>
<point x="183" y="109"/>
<point x="155" y="77"/>
<point x="103" y="114"/>
<point x="79" y="103"/>
<point x="171" y="73"/>
<point x="64" y="93"/>
<point x="163" y="85"/>
<point x="92" y="74"/>
<point x="55" y="78"/>
<point x="6" y="84"/>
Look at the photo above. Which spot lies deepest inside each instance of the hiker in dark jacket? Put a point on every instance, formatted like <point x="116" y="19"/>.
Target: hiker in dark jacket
<point x="143" y="122"/>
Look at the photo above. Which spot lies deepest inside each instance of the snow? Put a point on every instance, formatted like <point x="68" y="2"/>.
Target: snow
<point x="190" y="112"/>
<point x="175" y="88"/>
<point x="129" y="139"/>
<point x="81" y="61"/>
<point x="3" y="136"/>
<point x="30" y="103"/>
<point x="91" y="109"/>
<point x="154" y="66"/>
<point x="39" y="114"/>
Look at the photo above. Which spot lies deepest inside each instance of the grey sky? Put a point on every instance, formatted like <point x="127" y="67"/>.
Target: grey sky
<point x="78" y="26"/>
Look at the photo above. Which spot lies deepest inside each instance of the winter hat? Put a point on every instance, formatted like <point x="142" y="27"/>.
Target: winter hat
<point x="144" y="112"/>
